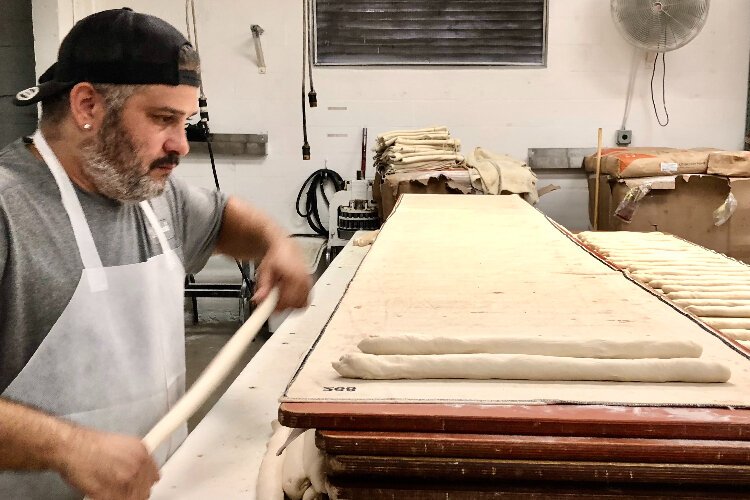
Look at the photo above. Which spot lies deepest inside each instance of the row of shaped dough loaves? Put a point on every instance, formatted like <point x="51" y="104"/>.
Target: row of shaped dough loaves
<point x="707" y="284"/>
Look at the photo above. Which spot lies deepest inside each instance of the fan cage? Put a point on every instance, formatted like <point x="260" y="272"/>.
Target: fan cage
<point x="659" y="25"/>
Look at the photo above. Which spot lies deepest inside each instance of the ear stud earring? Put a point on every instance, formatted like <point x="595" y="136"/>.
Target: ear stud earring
<point x="86" y="126"/>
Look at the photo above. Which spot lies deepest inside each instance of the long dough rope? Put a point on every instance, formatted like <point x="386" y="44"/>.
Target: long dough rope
<point x="709" y="295"/>
<point x="722" y="311"/>
<point x="528" y="367"/>
<point x="711" y="302"/>
<point x="574" y="348"/>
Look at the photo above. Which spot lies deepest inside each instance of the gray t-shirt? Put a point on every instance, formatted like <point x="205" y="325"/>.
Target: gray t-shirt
<point x="40" y="265"/>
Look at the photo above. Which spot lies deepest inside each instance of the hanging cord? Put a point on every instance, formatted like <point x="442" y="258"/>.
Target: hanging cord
<point x="203" y="103"/>
<point x="192" y="33"/>
<point x="631" y="86"/>
<point x="305" y="145"/>
<point x="312" y="185"/>
<point x="663" y="89"/>
<point x="187" y="22"/>
<point x="312" y="95"/>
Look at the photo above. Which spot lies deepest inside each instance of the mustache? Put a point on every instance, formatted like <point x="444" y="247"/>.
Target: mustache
<point x="170" y="159"/>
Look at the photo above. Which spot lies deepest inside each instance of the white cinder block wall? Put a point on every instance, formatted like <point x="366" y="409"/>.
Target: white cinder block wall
<point x="503" y="109"/>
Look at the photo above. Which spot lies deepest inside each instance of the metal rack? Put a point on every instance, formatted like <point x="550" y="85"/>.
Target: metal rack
<point x="241" y="291"/>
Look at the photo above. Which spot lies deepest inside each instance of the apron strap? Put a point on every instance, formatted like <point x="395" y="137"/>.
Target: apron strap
<point x="86" y="246"/>
<point x="154" y="221"/>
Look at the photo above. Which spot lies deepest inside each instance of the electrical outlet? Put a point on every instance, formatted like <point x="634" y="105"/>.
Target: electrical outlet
<point x="624" y="137"/>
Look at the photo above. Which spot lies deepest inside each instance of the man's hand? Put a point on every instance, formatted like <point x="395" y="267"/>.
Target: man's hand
<point x="284" y="266"/>
<point x="103" y="465"/>
<point x="248" y="234"/>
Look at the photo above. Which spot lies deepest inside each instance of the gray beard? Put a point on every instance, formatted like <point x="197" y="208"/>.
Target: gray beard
<point x="111" y="161"/>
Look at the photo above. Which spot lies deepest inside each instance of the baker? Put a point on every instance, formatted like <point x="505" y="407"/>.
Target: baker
<point x="95" y="239"/>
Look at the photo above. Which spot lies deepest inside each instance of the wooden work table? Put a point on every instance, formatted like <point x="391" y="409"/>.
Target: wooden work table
<point x="381" y="436"/>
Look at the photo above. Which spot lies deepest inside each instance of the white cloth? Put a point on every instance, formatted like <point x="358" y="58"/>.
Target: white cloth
<point x="424" y="156"/>
<point x="422" y="166"/>
<point x="448" y="144"/>
<point x="494" y="173"/>
<point x="439" y="132"/>
<point x="386" y="135"/>
<point x="115" y="359"/>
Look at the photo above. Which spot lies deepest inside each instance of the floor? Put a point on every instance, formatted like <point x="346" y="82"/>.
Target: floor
<point x="202" y="343"/>
<point x="204" y="340"/>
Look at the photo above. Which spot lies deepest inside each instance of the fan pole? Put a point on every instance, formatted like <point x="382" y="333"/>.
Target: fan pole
<point x="596" y="181"/>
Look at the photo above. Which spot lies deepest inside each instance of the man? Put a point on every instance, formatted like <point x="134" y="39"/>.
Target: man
<point x="95" y="240"/>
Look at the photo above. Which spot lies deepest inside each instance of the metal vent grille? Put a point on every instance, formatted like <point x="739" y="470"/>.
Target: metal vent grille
<point x="427" y="32"/>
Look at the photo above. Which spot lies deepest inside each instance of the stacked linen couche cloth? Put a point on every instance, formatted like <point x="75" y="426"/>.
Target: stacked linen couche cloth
<point x="426" y="160"/>
<point x="430" y="148"/>
<point x="429" y="160"/>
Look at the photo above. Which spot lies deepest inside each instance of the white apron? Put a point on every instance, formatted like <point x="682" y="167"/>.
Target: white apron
<point x="115" y="359"/>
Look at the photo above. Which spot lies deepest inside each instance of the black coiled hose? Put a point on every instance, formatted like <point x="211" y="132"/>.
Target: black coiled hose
<point x="315" y="184"/>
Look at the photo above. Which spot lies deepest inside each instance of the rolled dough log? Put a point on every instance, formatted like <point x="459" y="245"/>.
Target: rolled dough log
<point x="636" y="251"/>
<point x="711" y="302"/>
<point x="722" y="323"/>
<point x="625" y="246"/>
<point x="710" y="278"/>
<point x="574" y="348"/>
<point x="641" y="266"/>
<point x="706" y="288"/>
<point x="656" y="249"/>
<point x="366" y="239"/>
<point x="313" y="462"/>
<point x="294" y="481"/>
<point x="684" y="268"/>
<point x="722" y="311"/>
<point x="269" y="473"/>
<point x="653" y="254"/>
<point x="664" y="254"/>
<point x="311" y="494"/>
<point x="654" y="243"/>
<point x="527" y="367"/>
<point x="667" y="261"/>
<point x="685" y="271"/>
<point x="623" y="235"/>
<point x="710" y="295"/>
<point x="660" y="254"/>
<point x="698" y="276"/>
<point x="708" y="281"/>
<point x="736" y="333"/>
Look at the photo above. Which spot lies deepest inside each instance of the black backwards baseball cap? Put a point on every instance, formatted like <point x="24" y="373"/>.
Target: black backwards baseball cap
<point x="116" y="46"/>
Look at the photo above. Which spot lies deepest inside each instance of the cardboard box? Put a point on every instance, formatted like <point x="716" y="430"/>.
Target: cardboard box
<point x="649" y="162"/>
<point x="730" y="163"/>
<point x="387" y="190"/>
<point x="682" y="205"/>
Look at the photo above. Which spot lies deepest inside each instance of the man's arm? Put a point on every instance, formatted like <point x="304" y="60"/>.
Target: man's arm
<point x="30" y="440"/>
<point x="100" y="465"/>
<point x="247" y="233"/>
